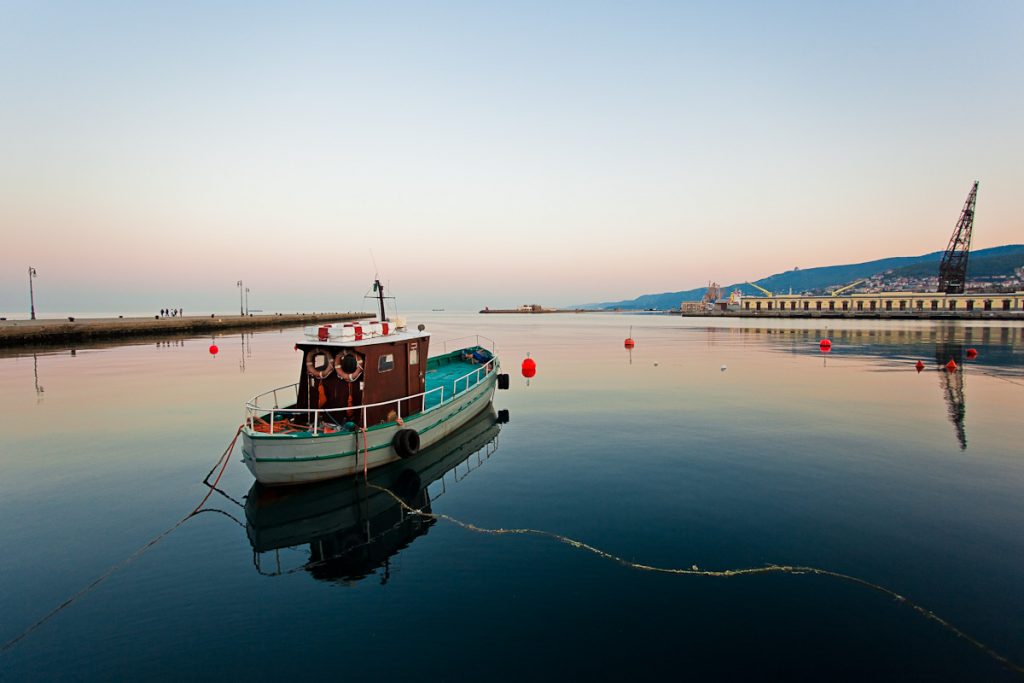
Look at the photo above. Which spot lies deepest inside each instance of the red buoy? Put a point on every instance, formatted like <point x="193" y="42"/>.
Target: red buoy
<point x="213" y="349"/>
<point x="972" y="353"/>
<point x="919" y="365"/>
<point x="825" y="345"/>
<point x="629" y="343"/>
<point x="529" y="367"/>
<point x="951" y="365"/>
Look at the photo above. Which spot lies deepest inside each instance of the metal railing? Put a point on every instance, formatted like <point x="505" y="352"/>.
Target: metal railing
<point x="492" y="348"/>
<point x="318" y="419"/>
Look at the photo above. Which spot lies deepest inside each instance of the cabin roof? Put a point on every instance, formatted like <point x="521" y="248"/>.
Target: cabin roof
<point x="370" y="341"/>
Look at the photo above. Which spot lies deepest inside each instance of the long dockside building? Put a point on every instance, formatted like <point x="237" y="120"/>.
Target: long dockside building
<point x="878" y="304"/>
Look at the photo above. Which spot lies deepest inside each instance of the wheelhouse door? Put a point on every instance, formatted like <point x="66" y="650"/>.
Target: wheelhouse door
<point x="415" y="367"/>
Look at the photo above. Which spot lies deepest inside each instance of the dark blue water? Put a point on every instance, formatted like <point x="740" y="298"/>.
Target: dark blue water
<point x="850" y="461"/>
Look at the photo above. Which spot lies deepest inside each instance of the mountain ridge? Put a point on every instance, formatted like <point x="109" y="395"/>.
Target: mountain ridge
<point x="823" y="276"/>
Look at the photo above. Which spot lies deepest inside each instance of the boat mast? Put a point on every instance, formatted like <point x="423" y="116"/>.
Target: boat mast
<point x="379" y="288"/>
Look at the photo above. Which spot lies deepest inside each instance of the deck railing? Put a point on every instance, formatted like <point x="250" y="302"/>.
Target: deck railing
<point x="318" y="418"/>
<point x="492" y="346"/>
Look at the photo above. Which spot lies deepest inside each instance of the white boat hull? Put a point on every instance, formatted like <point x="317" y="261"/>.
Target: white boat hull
<point x="284" y="459"/>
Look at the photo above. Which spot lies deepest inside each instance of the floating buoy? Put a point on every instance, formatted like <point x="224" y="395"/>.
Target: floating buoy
<point x="529" y="367"/>
<point x="919" y="365"/>
<point x="825" y="345"/>
<point x="213" y="349"/>
<point x="951" y="365"/>
<point x="972" y="353"/>
<point x="629" y="343"/>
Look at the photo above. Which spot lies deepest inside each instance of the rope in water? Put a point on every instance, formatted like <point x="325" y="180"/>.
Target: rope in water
<point x="222" y="462"/>
<point x="694" y="570"/>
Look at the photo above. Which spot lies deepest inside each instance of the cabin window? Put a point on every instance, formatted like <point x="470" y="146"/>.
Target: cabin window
<point x="414" y="354"/>
<point x="888" y="305"/>
<point x="817" y="305"/>
<point x="846" y="305"/>
<point x="807" y="305"/>
<point x="1006" y="304"/>
<point x="935" y="305"/>
<point x="952" y="305"/>
<point x="759" y="305"/>
<point x="988" y="304"/>
<point x="970" y="304"/>
<point x="769" y="305"/>
<point x="860" y="305"/>
<point x="320" y="361"/>
<point x="903" y="305"/>
<point x="831" y="305"/>
<point x="873" y="305"/>
<point x="386" y="363"/>
<point x="920" y="305"/>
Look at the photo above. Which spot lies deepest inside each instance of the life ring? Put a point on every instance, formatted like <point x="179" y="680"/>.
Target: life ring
<point x="311" y="368"/>
<point x="349" y="366"/>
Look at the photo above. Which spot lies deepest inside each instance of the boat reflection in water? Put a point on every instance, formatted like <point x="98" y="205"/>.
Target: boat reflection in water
<point x="352" y="529"/>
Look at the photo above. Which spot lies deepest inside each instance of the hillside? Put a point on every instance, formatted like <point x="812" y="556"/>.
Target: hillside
<point x="983" y="262"/>
<point x="978" y="266"/>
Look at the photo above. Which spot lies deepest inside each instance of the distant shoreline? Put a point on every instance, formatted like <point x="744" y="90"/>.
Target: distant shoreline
<point x="507" y="311"/>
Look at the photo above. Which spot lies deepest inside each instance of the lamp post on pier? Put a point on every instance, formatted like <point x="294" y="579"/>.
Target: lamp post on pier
<point x="241" y="303"/>
<point x="247" y="301"/>
<point x="31" y="292"/>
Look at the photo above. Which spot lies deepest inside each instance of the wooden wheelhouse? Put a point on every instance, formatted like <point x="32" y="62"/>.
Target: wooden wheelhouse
<point x="347" y="374"/>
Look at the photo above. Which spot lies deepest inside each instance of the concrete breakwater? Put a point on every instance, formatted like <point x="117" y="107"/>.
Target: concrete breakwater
<point x="74" y="330"/>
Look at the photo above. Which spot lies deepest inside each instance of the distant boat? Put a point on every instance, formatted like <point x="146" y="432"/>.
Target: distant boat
<point x="367" y="396"/>
<point x="437" y="310"/>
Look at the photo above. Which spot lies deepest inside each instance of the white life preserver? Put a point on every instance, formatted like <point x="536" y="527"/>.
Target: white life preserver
<point x="311" y="368"/>
<point x="348" y="376"/>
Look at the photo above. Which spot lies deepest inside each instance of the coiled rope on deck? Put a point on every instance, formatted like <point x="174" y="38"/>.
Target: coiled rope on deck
<point x="694" y="570"/>
<point x="225" y="458"/>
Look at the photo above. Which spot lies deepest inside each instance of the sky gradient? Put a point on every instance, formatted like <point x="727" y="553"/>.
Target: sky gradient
<point x="151" y="154"/>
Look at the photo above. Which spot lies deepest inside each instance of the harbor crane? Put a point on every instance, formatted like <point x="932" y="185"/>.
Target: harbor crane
<point x="953" y="268"/>
<point x="837" y="292"/>
<point x="760" y="288"/>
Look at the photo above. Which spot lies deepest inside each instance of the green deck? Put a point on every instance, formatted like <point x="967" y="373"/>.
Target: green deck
<point x="442" y="371"/>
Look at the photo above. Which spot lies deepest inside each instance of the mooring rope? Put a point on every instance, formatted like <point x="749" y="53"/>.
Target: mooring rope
<point x="1005" y="379"/>
<point x="694" y="570"/>
<point x="225" y="458"/>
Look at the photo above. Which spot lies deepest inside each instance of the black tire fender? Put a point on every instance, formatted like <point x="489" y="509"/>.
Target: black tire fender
<point x="503" y="381"/>
<point x="406" y="443"/>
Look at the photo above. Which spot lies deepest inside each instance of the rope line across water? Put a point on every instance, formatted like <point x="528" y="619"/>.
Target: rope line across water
<point x="225" y="458"/>
<point x="694" y="570"/>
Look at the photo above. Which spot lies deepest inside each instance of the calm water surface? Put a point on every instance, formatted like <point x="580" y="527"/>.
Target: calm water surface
<point x="851" y="461"/>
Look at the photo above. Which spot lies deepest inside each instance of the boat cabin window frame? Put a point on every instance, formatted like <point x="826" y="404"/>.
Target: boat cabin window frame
<point x="414" y="354"/>
<point x="385" y="363"/>
<point x="321" y="359"/>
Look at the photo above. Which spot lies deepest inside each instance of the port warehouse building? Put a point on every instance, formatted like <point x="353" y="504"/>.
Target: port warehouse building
<point x="882" y="302"/>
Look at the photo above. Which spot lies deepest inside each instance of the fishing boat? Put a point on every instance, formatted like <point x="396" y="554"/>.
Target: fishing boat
<point x="352" y="526"/>
<point x="368" y="394"/>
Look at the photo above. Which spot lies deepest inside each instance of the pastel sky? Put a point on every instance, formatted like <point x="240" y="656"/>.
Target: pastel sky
<point x="151" y="154"/>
